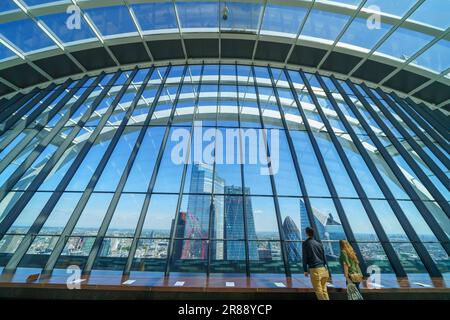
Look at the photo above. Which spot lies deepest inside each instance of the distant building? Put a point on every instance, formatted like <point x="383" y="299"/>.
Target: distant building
<point x="234" y="224"/>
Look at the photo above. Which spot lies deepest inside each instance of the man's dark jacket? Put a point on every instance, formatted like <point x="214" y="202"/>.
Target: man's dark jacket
<point x="313" y="254"/>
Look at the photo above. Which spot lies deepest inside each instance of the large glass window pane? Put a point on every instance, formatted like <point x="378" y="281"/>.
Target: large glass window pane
<point x="90" y="162"/>
<point x="14" y="142"/>
<point x="92" y="216"/>
<point x="233" y="216"/>
<point x="9" y="245"/>
<point x="25" y="154"/>
<point x="403" y="43"/>
<point x="228" y="163"/>
<point x="416" y="219"/>
<point x="151" y="255"/>
<point x="435" y="58"/>
<point x="39" y="252"/>
<point x="409" y="258"/>
<point x="227" y="109"/>
<point x="248" y="107"/>
<point x="143" y="166"/>
<point x="195" y="211"/>
<point x="433" y="12"/>
<point x="291" y="113"/>
<point x="169" y="173"/>
<point x="324" y="25"/>
<point x="309" y="166"/>
<point x="155" y="16"/>
<point x="38" y="164"/>
<point x="75" y="252"/>
<point x="114" y="168"/>
<point x="285" y="19"/>
<point x="439" y="256"/>
<point x="65" y="162"/>
<point x="26" y="35"/>
<point x="269" y="258"/>
<point x="112" y="20"/>
<point x="269" y="108"/>
<point x="358" y="34"/>
<point x="8" y="202"/>
<point x="439" y="215"/>
<point x="254" y="156"/>
<point x="329" y="227"/>
<point x="194" y="15"/>
<point x="283" y="168"/>
<point x="295" y="219"/>
<point x="341" y="180"/>
<point x="360" y="168"/>
<point x="294" y="252"/>
<point x="60" y="214"/>
<point x="262" y="215"/>
<point x="126" y="215"/>
<point x="160" y="215"/>
<point x="240" y="15"/>
<point x="113" y="254"/>
<point x="359" y="221"/>
<point x="398" y="8"/>
<point x="29" y="214"/>
<point x="232" y="260"/>
<point x="58" y="24"/>
<point x="189" y="256"/>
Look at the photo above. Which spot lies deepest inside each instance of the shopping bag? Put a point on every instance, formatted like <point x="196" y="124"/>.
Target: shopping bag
<point x="353" y="293"/>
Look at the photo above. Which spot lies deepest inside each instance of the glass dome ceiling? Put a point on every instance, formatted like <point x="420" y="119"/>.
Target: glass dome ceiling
<point x="411" y="39"/>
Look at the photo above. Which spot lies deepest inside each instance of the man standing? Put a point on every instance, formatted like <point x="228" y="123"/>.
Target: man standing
<point x="315" y="264"/>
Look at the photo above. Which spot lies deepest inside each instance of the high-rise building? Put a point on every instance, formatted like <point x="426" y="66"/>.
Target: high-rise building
<point x="234" y="223"/>
<point x="96" y="121"/>
<point x="292" y="235"/>
<point x="201" y="209"/>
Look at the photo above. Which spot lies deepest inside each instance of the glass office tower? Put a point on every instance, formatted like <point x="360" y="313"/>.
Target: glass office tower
<point x="88" y="175"/>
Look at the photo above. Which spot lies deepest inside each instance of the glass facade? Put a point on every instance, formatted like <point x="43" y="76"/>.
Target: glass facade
<point x="89" y="179"/>
<point x="418" y="25"/>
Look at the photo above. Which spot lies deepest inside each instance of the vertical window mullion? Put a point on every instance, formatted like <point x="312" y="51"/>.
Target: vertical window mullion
<point x="287" y="268"/>
<point x="415" y="146"/>
<point x="406" y="109"/>
<point x="16" y="103"/>
<point x="243" y="194"/>
<point x="434" y="225"/>
<point x="75" y="165"/>
<point x="340" y="210"/>
<point x="118" y="192"/>
<point x="428" y="121"/>
<point x="403" y="153"/>
<point x="173" y="239"/>
<point x="40" y="220"/>
<point x="407" y="227"/>
<point x="19" y="147"/>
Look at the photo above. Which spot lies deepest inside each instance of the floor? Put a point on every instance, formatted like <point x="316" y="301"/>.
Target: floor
<point x="179" y="282"/>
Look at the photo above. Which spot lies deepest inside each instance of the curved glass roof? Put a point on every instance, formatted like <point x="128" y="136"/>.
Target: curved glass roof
<point x="414" y="34"/>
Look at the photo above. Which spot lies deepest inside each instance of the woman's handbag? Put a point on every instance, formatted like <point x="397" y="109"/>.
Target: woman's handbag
<point x="353" y="293"/>
<point x="356" y="277"/>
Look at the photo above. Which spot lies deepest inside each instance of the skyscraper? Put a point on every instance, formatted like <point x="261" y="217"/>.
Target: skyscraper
<point x="234" y="224"/>
<point x="327" y="226"/>
<point x="292" y="234"/>
<point x="199" y="209"/>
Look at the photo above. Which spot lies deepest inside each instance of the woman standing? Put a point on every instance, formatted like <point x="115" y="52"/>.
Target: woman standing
<point x="350" y="264"/>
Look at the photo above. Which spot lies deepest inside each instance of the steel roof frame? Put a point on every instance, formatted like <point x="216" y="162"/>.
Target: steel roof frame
<point x="34" y="12"/>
